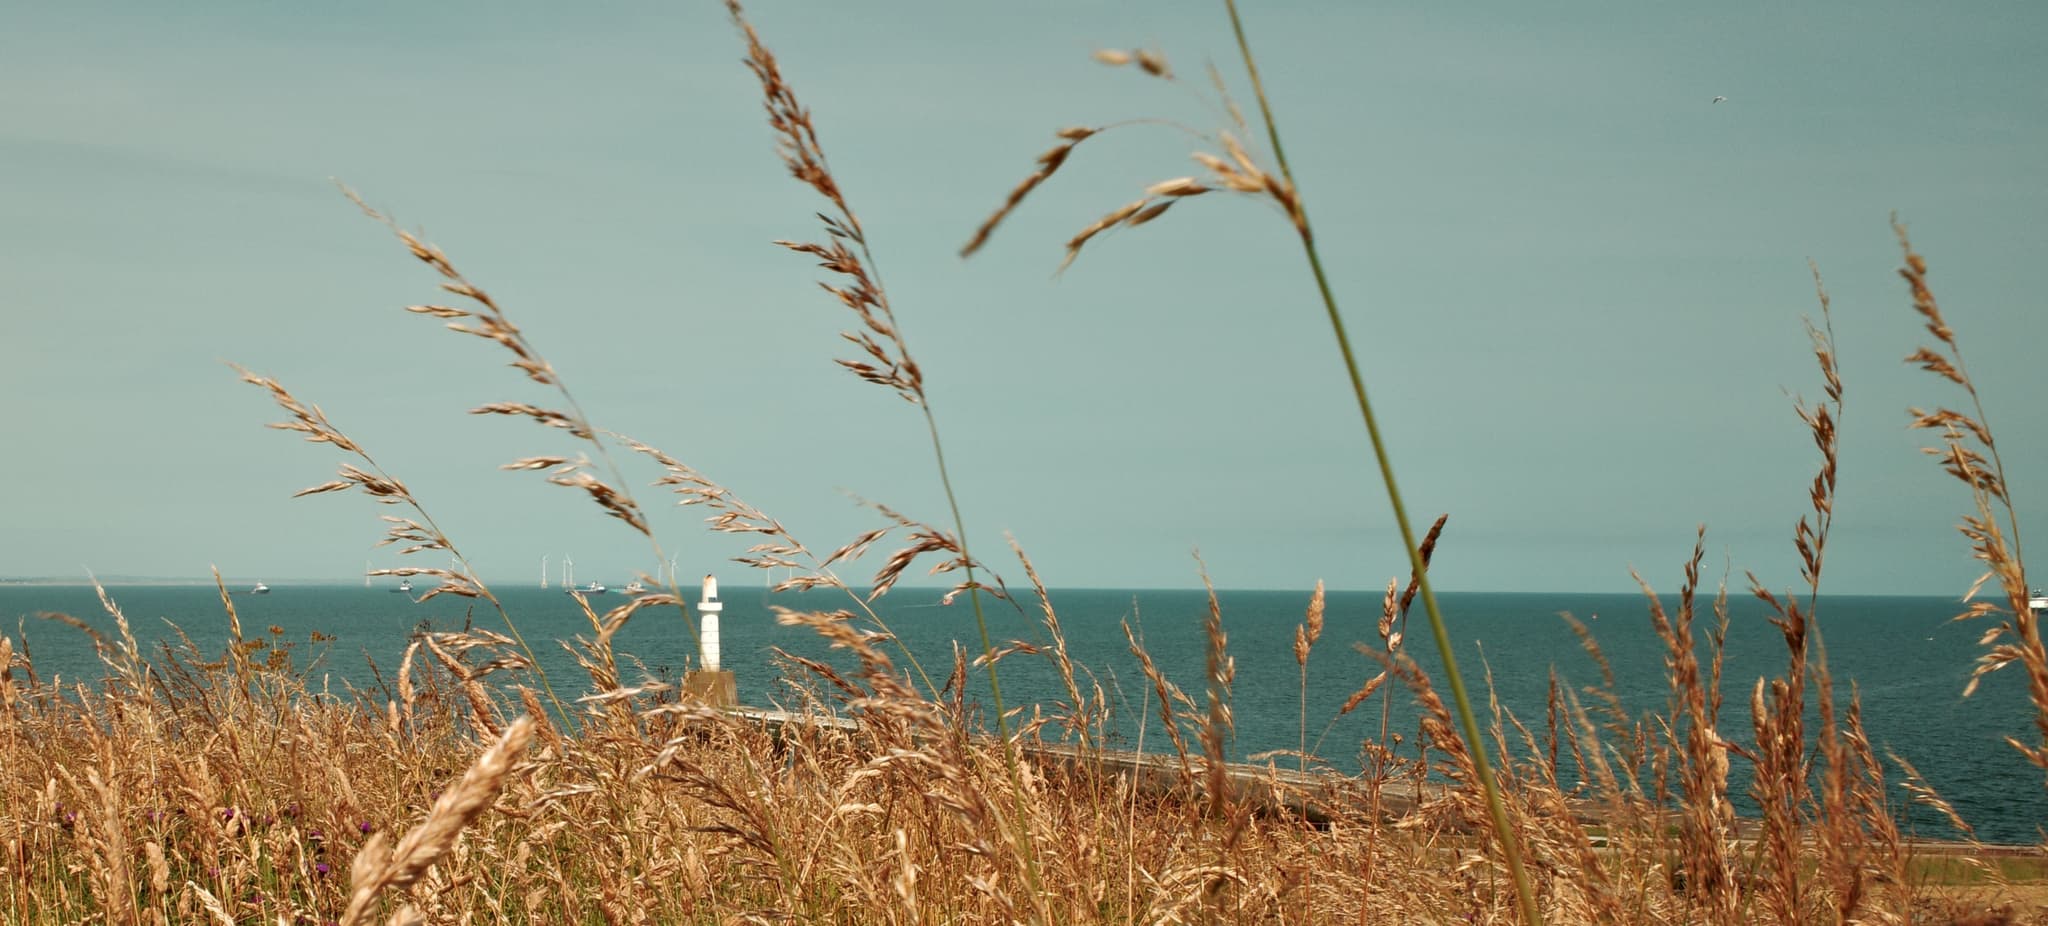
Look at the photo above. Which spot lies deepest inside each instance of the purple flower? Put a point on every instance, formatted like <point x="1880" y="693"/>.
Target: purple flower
<point x="365" y="827"/>
<point x="321" y="869"/>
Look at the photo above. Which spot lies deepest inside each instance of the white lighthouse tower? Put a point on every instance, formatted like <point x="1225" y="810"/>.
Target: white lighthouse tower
<point x="708" y="608"/>
<point x="709" y="684"/>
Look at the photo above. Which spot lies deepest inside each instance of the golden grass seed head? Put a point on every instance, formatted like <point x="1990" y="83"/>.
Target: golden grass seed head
<point x="1153" y="63"/>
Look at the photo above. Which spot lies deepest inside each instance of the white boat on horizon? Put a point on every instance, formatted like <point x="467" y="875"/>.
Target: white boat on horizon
<point x="633" y="588"/>
<point x="2037" y="600"/>
<point x="260" y="589"/>
<point x="569" y="586"/>
<point x="404" y="585"/>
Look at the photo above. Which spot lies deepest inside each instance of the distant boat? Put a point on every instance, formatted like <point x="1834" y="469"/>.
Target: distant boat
<point x="260" y="589"/>
<point x="569" y="586"/>
<point x="404" y="585"/>
<point x="633" y="588"/>
<point x="2037" y="600"/>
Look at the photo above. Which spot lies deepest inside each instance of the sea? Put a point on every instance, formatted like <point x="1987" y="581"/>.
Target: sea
<point x="1904" y="657"/>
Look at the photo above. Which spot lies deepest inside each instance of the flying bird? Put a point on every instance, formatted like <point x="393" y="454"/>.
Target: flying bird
<point x="1720" y="99"/>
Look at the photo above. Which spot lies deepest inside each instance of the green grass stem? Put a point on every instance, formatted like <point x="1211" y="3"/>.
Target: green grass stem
<point x="1524" y="895"/>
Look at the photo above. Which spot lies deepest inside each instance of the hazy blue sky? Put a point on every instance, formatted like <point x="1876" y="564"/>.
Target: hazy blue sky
<point x="1576" y="284"/>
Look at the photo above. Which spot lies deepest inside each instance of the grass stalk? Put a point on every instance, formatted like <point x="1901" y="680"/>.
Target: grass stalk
<point x="1524" y="893"/>
<point x="424" y="535"/>
<point x="1011" y="760"/>
<point x="888" y="362"/>
<point x="489" y="322"/>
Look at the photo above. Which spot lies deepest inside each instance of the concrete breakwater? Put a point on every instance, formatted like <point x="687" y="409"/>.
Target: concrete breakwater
<point x="1267" y="790"/>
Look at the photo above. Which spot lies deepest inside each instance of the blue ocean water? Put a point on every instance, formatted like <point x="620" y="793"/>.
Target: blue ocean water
<point x="1905" y="657"/>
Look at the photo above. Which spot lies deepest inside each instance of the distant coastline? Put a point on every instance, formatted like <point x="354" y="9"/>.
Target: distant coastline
<point x="109" y="581"/>
<point x="130" y="581"/>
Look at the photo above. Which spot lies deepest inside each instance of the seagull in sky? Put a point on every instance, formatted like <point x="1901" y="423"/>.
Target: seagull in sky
<point x="1720" y="99"/>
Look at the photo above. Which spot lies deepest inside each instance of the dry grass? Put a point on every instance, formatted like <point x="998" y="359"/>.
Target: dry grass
<point x="189" y="786"/>
<point x="228" y="791"/>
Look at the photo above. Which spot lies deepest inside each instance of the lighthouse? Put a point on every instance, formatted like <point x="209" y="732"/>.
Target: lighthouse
<point x="707" y="613"/>
<point x="709" y="684"/>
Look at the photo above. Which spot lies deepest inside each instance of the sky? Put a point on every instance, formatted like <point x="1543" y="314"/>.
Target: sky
<point x="1576" y="286"/>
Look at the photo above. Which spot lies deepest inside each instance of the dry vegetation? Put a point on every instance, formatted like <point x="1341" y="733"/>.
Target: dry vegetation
<point x="220" y="787"/>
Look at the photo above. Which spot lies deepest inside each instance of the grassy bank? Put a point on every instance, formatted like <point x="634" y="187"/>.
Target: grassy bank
<point x="216" y="787"/>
